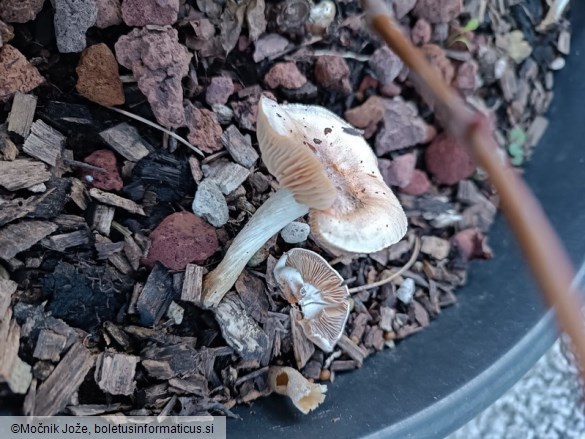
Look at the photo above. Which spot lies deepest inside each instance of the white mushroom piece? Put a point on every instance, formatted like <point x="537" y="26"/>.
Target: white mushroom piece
<point x="306" y="396"/>
<point x="307" y="279"/>
<point x="325" y="167"/>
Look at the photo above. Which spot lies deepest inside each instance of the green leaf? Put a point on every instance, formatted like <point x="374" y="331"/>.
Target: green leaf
<point x="471" y="25"/>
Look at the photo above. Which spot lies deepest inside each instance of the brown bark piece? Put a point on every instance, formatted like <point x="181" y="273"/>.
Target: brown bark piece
<point x="21" y="236"/>
<point x="302" y="346"/>
<point x="114" y="373"/>
<point x="126" y="141"/>
<point x="22" y="113"/>
<point x="22" y="173"/>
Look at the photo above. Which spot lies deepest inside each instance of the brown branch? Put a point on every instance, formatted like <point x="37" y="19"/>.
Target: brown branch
<point x="540" y="244"/>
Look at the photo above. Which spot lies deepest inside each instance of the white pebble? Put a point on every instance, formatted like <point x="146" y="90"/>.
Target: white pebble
<point x="210" y="204"/>
<point x="406" y="291"/>
<point x="295" y="232"/>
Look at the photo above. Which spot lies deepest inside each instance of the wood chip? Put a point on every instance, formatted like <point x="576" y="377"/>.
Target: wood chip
<point x="227" y="175"/>
<point x="434" y="246"/>
<point x="7" y="289"/>
<point x="192" y="285"/>
<point x="340" y="365"/>
<point x="156" y="296"/>
<point x="67" y="240"/>
<point x="239" y="146"/>
<point x="49" y="345"/>
<point x="251" y="290"/>
<point x="13" y="370"/>
<point x="114" y="373"/>
<point x="125" y="140"/>
<point x="352" y="349"/>
<point x="54" y="393"/>
<point x="44" y="143"/>
<point x="22" y="173"/>
<point x="78" y="193"/>
<point x="116" y="201"/>
<point x="195" y="385"/>
<point x="101" y="219"/>
<point x="133" y="252"/>
<point x="359" y="325"/>
<point x="302" y="346"/>
<point x="21" y="236"/>
<point x="386" y="317"/>
<point x="22" y="114"/>
<point x="195" y="167"/>
<point x="536" y="130"/>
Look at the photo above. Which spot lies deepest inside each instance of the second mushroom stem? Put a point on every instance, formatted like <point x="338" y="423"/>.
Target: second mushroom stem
<point x="278" y="211"/>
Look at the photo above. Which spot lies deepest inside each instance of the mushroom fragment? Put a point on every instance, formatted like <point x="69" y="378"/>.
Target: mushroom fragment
<point x="306" y="396"/>
<point x="324" y="166"/>
<point x="307" y="279"/>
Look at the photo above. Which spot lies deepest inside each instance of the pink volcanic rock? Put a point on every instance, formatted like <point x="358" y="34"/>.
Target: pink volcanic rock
<point x="159" y="63"/>
<point x="109" y="13"/>
<point x="367" y="116"/>
<point x="386" y="65"/>
<point x="333" y="72"/>
<point x="448" y="161"/>
<point x="471" y="244"/>
<point x="421" y="32"/>
<point x="145" y="12"/>
<point x="16" y="73"/>
<point x="438" y="11"/>
<point x="204" y="128"/>
<point x="219" y="90"/>
<point x="108" y="180"/>
<point x="399" y="171"/>
<point x="419" y="184"/>
<point x="20" y="11"/>
<point x="180" y="239"/>
<point x="285" y="74"/>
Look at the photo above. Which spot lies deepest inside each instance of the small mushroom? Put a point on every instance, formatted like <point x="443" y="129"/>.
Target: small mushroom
<point x="324" y="166"/>
<point x="307" y="279"/>
<point x="306" y="396"/>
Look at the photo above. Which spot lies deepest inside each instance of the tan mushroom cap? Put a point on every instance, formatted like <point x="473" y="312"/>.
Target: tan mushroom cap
<point x="365" y="216"/>
<point x="307" y="279"/>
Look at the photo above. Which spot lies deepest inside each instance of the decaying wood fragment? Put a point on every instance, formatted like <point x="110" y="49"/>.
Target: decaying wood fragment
<point x="67" y="240"/>
<point x="78" y="193"/>
<point x="7" y="289"/>
<point x="22" y="114"/>
<point x="22" y="173"/>
<point x="49" y="345"/>
<point x="133" y="252"/>
<point x="116" y="201"/>
<point x="351" y="349"/>
<point x="56" y="391"/>
<point x="192" y="284"/>
<point x="44" y="143"/>
<point x="156" y="296"/>
<point x="21" y="236"/>
<point x="306" y="396"/>
<point x="13" y="371"/>
<point x="227" y="175"/>
<point x="251" y="290"/>
<point x="114" y="373"/>
<point x="102" y="217"/>
<point x="302" y="346"/>
<point x="125" y="140"/>
<point x="239" y="146"/>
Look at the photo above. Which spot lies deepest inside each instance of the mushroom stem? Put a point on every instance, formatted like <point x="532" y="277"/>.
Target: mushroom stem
<point x="280" y="209"/>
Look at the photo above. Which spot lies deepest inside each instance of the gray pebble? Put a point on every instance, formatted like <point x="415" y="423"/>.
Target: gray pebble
<point x="72" y="19"/>
<point x="295" y="232"/>
<point x="406" y="291"/>
<point x="210" y="204"/>
<point x="223" y="112"/>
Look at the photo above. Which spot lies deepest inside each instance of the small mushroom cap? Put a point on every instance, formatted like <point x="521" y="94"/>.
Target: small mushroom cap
<point x="365" y="215"/>
<point x="306" y="278"/>
<point x="306" y="396"/>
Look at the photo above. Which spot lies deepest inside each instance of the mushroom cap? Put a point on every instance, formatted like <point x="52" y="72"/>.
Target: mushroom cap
<point x="365" y="215"/>
<point x="309" y="280"/>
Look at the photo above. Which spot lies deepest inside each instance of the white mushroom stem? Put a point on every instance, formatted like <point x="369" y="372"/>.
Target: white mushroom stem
<point x="278" y="211"/>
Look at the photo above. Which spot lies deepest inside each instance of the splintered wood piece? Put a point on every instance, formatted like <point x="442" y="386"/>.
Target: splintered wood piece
<point x="133" y="252"/>
<point x="22" y="173"/>
<point x="44" y="143"/>
<point x="340" y="365"/>
<point x="18" y="208"/>
<point x="13" y="371"/>
<point x="49" y="345"/>
<point x="78" y="193"/>
<point x="192" y="285"/>
<point x="251" y="290"/>
<point x="239" y="146"/>
<point x="7" y="289"/>
<point x="102" y="218"/>
<point x="195" y="384"/>
<point x="156" y="296"/>
<point x="67" y="240"/>
<point x="114" y="373"/>
<point x="22" y="114"/>
<point x="227" y="175"/>
<point x="119" y="261"/>
<point x="21" y="236"/>
<point x="125" y="140"/>
<point x="116" y="201"/>
<point x="56" y="391"/>
<point x="303" y="347"/>
<point x="352" y="349"/>
<point x="106" y="248"/>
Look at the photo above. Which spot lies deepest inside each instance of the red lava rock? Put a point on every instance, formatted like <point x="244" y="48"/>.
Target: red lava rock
<point x="159" y="63"/>
<point x="145" y="12"/>
<point x="402" y="7"/>
<point x="402" y="127"/>
<point x="419" y="184"/>
<point x="438" y="11"/>
<point x="398" y="171"/>
<point x="333" y="72"/>
<point x="204" y="128"/>
<point x="16" y="73"/>
<point x="285" y="74"/>
<point x="109" y="180"/>
<point x="98" y="76"/>
<point x="20" y="11"/>
<point x="180" y="239"/>
<point x="367" y="116"/>
<point x="421" y="32"/>
<point x="109" y="13"/>
<point x="219" y="90"/>
<point x="436" y="56"/>
<point x="448" y="161"/>
<point x="386" y="65"/>
<point x="471" y="244"/>
<point x="465" y="79"/>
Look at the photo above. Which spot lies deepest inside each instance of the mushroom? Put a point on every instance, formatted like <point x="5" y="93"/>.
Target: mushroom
<point x="324" y="166"/>
<point x="307" y="279"/>
<point x="306" y="396"/>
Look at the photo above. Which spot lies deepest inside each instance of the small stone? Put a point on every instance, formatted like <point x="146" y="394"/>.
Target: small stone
<point x="285" y="74"/>
<point x="438" y="11"/>
<point x="471" y="244"/>
<point x="148" y="12"/>
<point x="210" y="204"/>
<point x="333" y="72"/>
<point x="421" y="32"/>
<point x="180" y="239"/>
<point x="158" y="62"/>
<point x="6" y="33"/>
<point x="109" y="13"/>
<point x="438" y="59"/>
<point x="219" y="90"/>
<point x="405" y="293"/>
<point x="108" y="180"/>
<point x="295" y="232"/>
<point x="386" y="65"/>
<point x="448" y="161"/>
<point x="269" y="45"/>
<point x="367" y="116"/>
<point x="419" y="184"/>
<point x="204" y="128"/>
<point x="16" y="73"/>
<point x="224" y="113"/>
<point x="434" y="246"/>
<point x="98" y="76"/>
<point x="402" y="7"/>
<point x="72" y="20"/>
<point x="466" y="77"/>
<point x="20" y="11"/>
<point x="399" y="171"/>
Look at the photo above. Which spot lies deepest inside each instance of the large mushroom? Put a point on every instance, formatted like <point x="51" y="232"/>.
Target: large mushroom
<point x="307" y="279"/>
<point x="324" y="166"/>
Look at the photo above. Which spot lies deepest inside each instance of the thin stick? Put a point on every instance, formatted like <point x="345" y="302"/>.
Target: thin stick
<point x="384" y="281"/>
<point x="542" y="248"/>
<point x="157" y="126"/>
